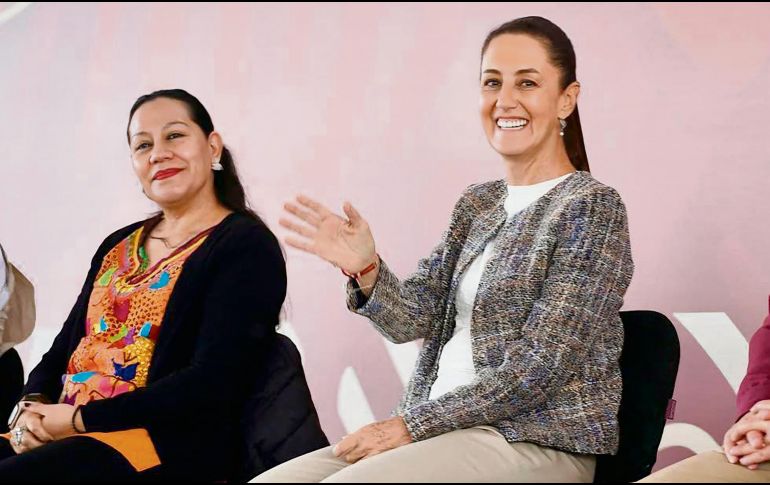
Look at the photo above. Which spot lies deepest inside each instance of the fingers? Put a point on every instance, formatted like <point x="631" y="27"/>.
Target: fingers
<point x="349" y="449"/>
<point x="16" y="449"/>
<point x="756" y="458"/>
<point x="760" y="414"/>
<point x="35" y="426"/>
<point x="36" y="408"/>
<point x="761" y="405"/>
<point x="731" y="450"/>
<point x="298" y="228"/>
<point x="312" y="219"/>
<point x="756" y="439"/>
<point x="354" y="455"/>
<point x="353" y="215"/>
<point x="345" y="446"/>
<point x="29" y="442"/>
<point x="727" y="445"/>
<point x="314" y="206"/>
<point x="740" y="429"/>
<point x="741" y="450"/>
<point x="300" y="244"/>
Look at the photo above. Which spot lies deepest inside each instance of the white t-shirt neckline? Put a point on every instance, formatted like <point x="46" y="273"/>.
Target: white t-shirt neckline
<point x="456" y="362"/>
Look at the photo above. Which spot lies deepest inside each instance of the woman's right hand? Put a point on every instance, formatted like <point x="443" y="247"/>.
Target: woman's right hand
<point x="346" y="243"/>
<point x="35" y="434"/>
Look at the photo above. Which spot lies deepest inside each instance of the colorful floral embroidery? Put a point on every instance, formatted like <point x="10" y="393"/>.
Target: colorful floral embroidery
<point x="125" y="311"/>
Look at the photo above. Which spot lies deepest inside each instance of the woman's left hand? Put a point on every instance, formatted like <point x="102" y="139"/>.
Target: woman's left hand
<point x="57" y="418"/>
<point x="373" y="439"/>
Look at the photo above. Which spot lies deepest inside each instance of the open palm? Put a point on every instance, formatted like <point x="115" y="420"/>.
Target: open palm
<point x="346" y="243"/>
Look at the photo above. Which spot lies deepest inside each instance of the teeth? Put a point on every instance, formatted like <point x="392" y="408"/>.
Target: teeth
<point x="511" y="123"/>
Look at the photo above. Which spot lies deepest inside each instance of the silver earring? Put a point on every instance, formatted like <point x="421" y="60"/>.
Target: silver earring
<point x="563" y="124"/>
<point x="216" y="166"/>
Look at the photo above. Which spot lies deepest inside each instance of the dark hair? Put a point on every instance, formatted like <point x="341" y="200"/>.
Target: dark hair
<point x="227" y="185"/>
<point x="562" y="55"/>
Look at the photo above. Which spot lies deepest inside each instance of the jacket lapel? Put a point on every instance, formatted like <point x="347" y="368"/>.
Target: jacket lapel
<point x="532" y="214"/>
<point x="483" y="228"/>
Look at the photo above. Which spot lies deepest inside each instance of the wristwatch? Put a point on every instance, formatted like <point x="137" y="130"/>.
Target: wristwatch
<point x="19" y="407"/>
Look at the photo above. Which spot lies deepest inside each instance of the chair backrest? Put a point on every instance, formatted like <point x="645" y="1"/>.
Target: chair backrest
<point x="279" y="421"/>
<point x="649" y="364"/>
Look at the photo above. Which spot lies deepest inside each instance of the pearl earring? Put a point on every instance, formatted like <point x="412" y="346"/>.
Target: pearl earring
<point x="216" y="166"/>
<point x="563" y="124"/>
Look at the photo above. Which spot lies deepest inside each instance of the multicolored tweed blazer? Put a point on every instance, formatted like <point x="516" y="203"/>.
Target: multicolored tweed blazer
<point x="546" y="335"/>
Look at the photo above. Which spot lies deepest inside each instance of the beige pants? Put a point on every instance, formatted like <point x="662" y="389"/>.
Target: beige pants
<point x="709" y="467"/>
<point x="469" y="455"/>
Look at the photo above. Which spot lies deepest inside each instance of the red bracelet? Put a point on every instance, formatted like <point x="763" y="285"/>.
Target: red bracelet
<point x="364" y="271"/>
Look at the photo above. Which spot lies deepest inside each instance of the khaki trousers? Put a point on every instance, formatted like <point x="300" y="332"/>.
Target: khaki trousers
<point x="709" y="467"/>
<point x="478" y="454"/>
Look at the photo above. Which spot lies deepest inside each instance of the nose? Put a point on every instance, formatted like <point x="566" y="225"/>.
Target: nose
<point x="160" y="153"/>
<point x="506" y="99"/>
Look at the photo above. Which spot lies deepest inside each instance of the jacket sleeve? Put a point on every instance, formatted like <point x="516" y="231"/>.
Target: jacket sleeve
<point x="246" y="288"/>
<point x="583" y="291"/>
<point x="756" y="385"/>
<point x="403" y="311"/>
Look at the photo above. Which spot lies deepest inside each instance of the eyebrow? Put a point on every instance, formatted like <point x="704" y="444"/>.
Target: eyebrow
<point x="164" y="127"/>
<point x="529" y="70"/>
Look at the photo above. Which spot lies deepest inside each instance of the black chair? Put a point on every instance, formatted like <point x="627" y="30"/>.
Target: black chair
<point x="649" y="364"/>
<point x="11" y="385"/>
<point x="279" y="421"/>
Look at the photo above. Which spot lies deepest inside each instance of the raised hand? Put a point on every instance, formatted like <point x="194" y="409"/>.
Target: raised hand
<point x="345" y="242"/>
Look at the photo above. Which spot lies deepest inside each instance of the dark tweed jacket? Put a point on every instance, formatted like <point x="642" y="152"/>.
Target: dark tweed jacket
<point x="546" y="334"/>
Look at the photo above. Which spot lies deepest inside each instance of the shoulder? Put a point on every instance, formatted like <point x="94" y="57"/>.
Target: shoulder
<point x="484" y="190"/>
<point x="583" y="190"/>
<point x="240" y="236"/>
<point x="481" y="196"/>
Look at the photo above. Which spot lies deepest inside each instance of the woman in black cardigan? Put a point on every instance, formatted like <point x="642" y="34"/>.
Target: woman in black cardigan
<point x="167" y="397"/>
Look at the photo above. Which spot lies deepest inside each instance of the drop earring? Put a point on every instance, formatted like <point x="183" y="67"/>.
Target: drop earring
<point x="216" y="166"/>
<point x="563" y="124"/>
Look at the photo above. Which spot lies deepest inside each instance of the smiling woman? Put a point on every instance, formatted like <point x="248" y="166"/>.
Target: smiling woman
<point x="173" y="333"/>
<point x="522" y="74"/>
<point x="517" y="305"/>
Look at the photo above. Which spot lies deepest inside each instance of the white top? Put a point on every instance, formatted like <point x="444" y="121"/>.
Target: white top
<point x="455" y="367"/>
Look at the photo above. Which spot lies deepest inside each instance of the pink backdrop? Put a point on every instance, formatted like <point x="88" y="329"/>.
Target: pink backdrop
<point x="377" y="104"/>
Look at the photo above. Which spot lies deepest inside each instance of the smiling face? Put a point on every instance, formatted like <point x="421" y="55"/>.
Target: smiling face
<point x="171" y="155"/>
<point x="521" y="97"/>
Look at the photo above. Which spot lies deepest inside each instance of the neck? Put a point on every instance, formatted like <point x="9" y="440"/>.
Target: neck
<point x="528" y="169"/>
<point x="192" y="216"/>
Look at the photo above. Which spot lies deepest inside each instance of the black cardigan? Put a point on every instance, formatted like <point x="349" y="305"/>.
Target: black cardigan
<point x="217" y="331"/>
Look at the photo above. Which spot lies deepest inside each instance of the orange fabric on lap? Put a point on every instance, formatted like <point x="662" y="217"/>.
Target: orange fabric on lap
<point x="134" y="444"/>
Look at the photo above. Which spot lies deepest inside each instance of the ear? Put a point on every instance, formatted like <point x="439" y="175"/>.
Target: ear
<point x="568" y="100"/>
<point x="216" y="145"/>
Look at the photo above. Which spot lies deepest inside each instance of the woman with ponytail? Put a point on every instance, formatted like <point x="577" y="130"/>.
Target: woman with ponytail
<point x="154" y="371"/>
<point x="518" y="377"/>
